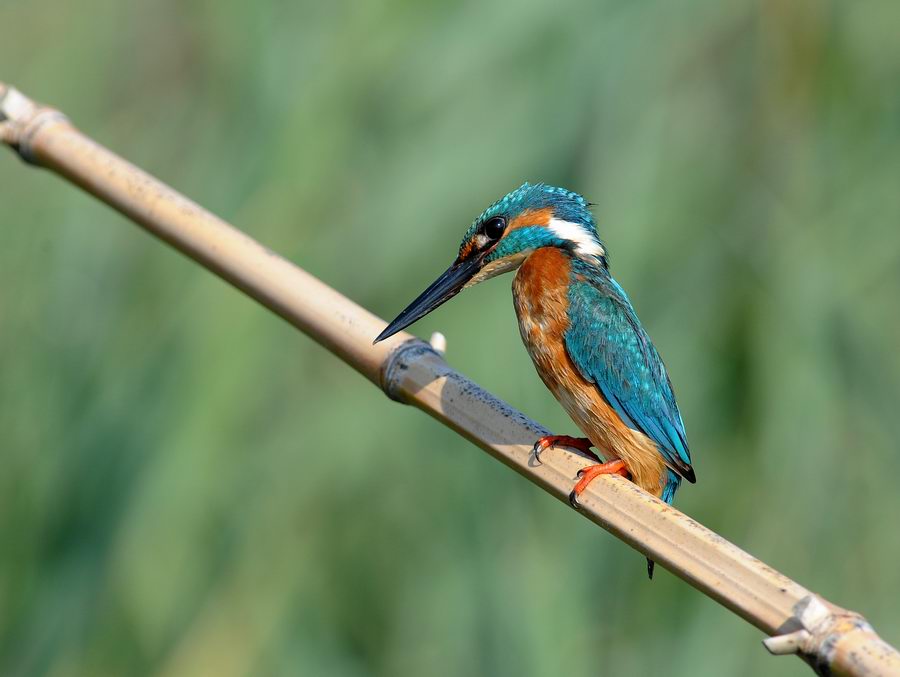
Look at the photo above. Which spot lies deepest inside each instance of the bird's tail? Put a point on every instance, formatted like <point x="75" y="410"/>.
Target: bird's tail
<point x="668" y="495"/>
<point x="674" y="481"/>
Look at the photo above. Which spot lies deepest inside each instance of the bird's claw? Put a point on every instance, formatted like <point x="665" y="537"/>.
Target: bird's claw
<point x="551" y="441"/>
<point x="536" y="451"/>
<point x="573" y="500"/>
<point x="587" y="474"/>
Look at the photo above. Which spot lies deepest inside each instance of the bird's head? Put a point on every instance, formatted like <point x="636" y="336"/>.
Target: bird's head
<point x="502" y="237"/>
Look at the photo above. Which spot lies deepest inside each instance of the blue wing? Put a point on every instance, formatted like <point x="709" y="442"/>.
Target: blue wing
<point x="610" y="348"/>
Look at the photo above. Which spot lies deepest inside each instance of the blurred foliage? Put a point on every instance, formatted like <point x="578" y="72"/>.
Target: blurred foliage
<point x="190" y="487"/>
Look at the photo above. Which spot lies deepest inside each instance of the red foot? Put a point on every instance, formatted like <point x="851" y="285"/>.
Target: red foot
<point x="583" y="444"/>
<point x="588" y="474"/>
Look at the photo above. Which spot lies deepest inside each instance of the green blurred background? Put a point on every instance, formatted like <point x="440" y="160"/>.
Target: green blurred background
<point x="190" y="487"/>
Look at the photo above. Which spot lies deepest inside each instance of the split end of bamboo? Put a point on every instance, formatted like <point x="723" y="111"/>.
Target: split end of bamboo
<point x="833" y="641"/>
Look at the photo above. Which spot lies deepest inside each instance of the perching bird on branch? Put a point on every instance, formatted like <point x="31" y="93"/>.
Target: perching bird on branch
<point x="584" y="337"/>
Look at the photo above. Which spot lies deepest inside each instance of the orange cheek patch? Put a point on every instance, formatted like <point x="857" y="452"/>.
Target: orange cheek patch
<point x="467" y="249"/>
<point x="531" y="217"/>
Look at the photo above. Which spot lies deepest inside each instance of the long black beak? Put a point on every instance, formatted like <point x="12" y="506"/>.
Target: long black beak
<point x="441" y="290"/>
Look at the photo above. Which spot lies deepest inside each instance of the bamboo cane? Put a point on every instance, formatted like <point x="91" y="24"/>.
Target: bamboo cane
<point x="832" y="640"/>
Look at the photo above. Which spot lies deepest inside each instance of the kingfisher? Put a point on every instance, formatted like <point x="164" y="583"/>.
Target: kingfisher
<point x="581" y="332"/>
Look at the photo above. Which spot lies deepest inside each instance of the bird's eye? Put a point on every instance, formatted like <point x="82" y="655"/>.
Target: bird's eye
<point x="494" y="227"/>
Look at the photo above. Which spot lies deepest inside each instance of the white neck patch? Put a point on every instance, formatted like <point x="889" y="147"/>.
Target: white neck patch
<point x="585" y="245"/>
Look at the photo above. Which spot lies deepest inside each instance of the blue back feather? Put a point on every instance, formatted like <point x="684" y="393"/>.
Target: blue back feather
<point x="610" y="348"/>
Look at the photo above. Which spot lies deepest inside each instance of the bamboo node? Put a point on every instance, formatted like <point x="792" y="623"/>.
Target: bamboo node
<point x="398" y="363"/>
<point x="21" y="119"/>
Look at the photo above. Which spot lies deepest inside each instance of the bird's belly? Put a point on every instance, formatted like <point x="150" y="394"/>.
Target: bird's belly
<point x="540" y="296"/>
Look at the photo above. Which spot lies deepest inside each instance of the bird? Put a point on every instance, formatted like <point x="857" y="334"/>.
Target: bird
<point x="582" y="333"/>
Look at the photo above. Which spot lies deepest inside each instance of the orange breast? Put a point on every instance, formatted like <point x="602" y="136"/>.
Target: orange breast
<point x="540" y="294"/>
